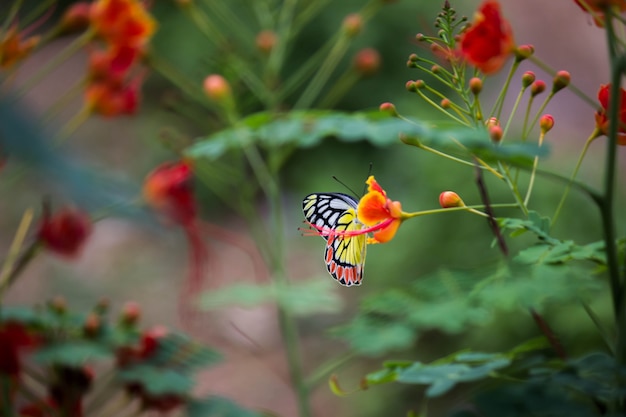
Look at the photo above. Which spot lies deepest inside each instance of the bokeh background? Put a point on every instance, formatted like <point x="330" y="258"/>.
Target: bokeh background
<point x="133" y="257"/>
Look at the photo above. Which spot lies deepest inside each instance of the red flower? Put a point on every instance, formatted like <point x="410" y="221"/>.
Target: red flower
<point x="114" y="63"/>
<point x="488" y="42"/>
<point x="122" y="22"/>
<point x="112" y="98"/>
<point x="377" y="211"/>
<point x="597" y="7"/>
<point x="13" y="338"/>
<point x="602" y="121"/>
<point x="169" y="191"/>
<point x="65" y="232"/>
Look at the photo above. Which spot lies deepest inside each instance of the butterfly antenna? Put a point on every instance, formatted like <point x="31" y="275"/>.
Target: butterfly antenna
<point x="345" y="185"/>
<point x="369" y="172"/>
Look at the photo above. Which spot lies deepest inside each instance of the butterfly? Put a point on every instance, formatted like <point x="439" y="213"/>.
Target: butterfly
<point x="331" y="214"/>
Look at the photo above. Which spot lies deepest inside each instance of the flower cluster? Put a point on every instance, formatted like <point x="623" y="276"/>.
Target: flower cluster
<point x="124" y="27"/>
<point x="139" y="355"/>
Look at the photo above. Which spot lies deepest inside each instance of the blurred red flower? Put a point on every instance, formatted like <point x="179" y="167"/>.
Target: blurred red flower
<point x="488" y="42"/>
<point x="13" y="48"/>
<point x="596" y="8"/>
<point x="113" y="98"/>
<point x="602" y="121"/>
<point x="65" y="232"/>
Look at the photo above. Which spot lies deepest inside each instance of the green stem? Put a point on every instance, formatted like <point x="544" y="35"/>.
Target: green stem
<point x="323" y="74"/>
<point x="49" y="66"/>
<point x="500" y="100"/>
<point x="606" y="204"/>
<point x="557" y="212"/>
<point x="472" y="209"/>
<point x="532" y="174"/>
<point x="287" y="322"/>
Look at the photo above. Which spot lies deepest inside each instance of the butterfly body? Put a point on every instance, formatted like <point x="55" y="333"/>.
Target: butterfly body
<point x="334" y="215"/>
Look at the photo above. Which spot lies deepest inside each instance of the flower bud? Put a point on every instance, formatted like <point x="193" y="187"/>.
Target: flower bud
<point x="445" y="103"/>
<point x="58" y="305"/>
<point x="537" y="88"/>
<point x="524" y="52"/>
<point x="150" y="340"/>
<point x="561" y="80"/>
<point x="388" y="108"/>
<point x="491" y="122"/>
<point x="265" y="41"/>
<point x="217" y="88"/>
<point x="131" y="312"/>
<point x="546" y="123"/>
<point x="352" y="24"/>
<point x="435" y="69"/>
<point x="413" y="58"/>
<point x="420" y="37"/>
<point x="495" y="133"/>
<point x="75" y="18"/>
<point x="92" y="325"/>
<point x="475" y="85"/>
<point x="65" y="232"/>
<point x="528" y="78"/>
<point x="411" y="86"/>
<point x="367" y="61"/>
<point x="449" y="199"/>
<point x="102" y="307"/>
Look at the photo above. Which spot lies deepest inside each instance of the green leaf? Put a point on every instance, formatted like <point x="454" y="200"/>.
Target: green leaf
<point x="310" y="127"/>
<point x="217" y="407"/>
<point x="301" y="298"/>
<point x="370" y="334"/>
<point x="71" y="353"/>
<point x="157" y="381"/>
<point x="178" y="351"/>
<point x="442" y="378"/>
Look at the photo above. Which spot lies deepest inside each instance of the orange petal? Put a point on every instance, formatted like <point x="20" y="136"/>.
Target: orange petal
<point x="386" y="234"/>
<point x="371" y="209"/>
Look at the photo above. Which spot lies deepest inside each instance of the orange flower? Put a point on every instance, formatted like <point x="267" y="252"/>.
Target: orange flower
<point x="602" y="121"/>
<point x="122" y="22"/>
<point x="597" y="7"/>
<point x="13" y="48"/>
<point x="488" y="42"/>
<point x="379" y="213"/>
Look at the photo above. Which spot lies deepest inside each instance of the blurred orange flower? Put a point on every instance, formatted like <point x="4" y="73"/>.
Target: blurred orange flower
<point x="13" y="48"/>
<point x="122" y="22"/>
<point x="377" y="211"/>
<point x="488" y="42"/>
<point x="602" y="121"/>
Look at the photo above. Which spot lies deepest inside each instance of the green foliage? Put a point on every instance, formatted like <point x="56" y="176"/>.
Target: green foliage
<point x="217" y="407"/>
<point x="455" y="301"/>
<point x="444" y="374"/>
<point x="302" y="298"/>
<point x="549" y="250"/>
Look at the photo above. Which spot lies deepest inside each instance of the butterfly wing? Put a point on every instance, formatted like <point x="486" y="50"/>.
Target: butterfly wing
<point x="344" y="255"/>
